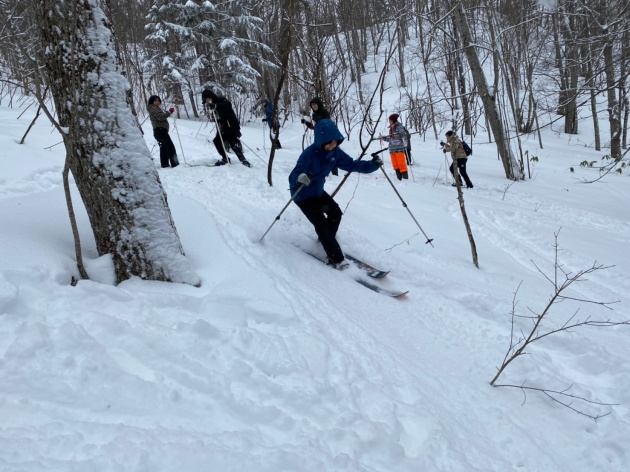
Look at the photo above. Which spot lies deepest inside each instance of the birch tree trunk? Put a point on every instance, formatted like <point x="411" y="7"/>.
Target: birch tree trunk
<point x="107" y="155"/>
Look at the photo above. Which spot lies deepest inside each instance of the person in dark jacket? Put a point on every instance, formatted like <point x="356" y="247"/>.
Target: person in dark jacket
<point x="319" y="113"/>
<point x="228" y="127"/>
<point x="159" y="121"/>
<point x="454" y="145"/>
<point x="274" y="125"/>
<point x="307" y="184"/>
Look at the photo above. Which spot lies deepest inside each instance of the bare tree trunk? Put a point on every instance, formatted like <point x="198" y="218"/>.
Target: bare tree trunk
<point x="37" y="113"/>
<point x="611" y="94"/>
<point x="510" y="164"/>
<point x="287" y="34"/>
<point x="73" y="220"/>
<point x="462" y="208"/>
<point x="106" y="153"/>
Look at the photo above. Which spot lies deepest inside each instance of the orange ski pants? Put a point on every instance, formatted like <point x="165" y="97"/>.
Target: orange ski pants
<point x="399" y="161"/>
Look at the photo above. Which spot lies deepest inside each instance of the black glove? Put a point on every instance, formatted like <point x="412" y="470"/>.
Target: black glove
<point x="212" y="106"/>
<point x="442" y="143"/>
<point x="264" y="120"/>
<point x="302" y="121"/>
<point x="376" y="160"/>
<point x="335" y="170"/>
<point x="444" y="151"/>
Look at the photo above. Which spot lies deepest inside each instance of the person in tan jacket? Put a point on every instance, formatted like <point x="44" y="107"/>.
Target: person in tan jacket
<point x="454" y="145"/>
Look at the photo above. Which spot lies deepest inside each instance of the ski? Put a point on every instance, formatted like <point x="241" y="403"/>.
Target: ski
<point x="382" y="290"/>
<point x="365" y="283"/>
<point x="371" y="271"/>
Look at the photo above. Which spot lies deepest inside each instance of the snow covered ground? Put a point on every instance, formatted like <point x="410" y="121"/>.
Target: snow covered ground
<point x="278" y="363"/>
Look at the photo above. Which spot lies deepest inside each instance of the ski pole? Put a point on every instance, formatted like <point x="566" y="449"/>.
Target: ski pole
<point x="201" y="126"/>
<point x="280" y="214"/>
<point x="375" y="154"/>
<point x="179" y="139"/>
<point x="254" y="152"/>
<point x="408" y="158"/>
<point x="445" y="171"/>
<point x="220" y="136"/>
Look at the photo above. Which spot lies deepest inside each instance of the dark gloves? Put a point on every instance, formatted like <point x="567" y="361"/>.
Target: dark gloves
<point x="442" y="143"/>
<point x="211" y="106"/>
<point x="264" y="120"/>
<point x="444" y="151"/>
<point x="335" y="170"/>
<point x="377" y="161"/>
<point x="303" y="121"/>
<point x="171" y="110"/>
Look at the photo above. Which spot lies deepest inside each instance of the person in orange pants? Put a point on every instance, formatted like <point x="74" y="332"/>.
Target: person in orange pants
<point x="397" y="139"/>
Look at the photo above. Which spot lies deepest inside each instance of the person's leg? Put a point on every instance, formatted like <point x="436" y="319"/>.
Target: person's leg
<point x="458" y="176"/>
<point x="400" y="164"/>
<point x="237" y="147"/>
<point x="332" y="211"/>
<point x="461" y="166"/>
<point x="219" y="146"/>
<point x="170" y="149"/>
<point x="392" y="156"/>
<point x="325" y="218"/>
<point x="402" y="161"/>
<point x="159" y="135"/>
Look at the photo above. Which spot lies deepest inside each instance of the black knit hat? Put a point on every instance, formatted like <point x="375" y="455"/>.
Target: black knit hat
<point x="208" y="94"/>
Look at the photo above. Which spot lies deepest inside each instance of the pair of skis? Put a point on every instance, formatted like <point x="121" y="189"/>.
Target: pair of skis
<point x="371" y="272"/>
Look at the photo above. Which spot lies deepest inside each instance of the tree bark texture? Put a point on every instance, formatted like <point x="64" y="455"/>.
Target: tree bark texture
<point x="107" y="155"/>
<point x="510" y="164"/>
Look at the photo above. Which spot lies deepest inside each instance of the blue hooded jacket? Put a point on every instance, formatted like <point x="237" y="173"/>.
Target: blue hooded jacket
<point x="317" y="163"/>
<point x="269" y="111"/>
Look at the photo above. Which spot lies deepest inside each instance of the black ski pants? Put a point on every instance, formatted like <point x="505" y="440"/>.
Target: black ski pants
<point x="325" y="215"/>
<point x="168" y="155"/>
<point x="233" y="142"/>
<point x="461" y="168"/>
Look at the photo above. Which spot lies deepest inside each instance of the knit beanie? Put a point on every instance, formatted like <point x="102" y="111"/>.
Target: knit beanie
<point x="394" y="117"/>
<point x="208" y="94"/>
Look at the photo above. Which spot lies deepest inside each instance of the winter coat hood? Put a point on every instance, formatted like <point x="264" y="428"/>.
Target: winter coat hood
<point x="317" y="101"/>
<point x="209" y="94"/>
<point x="317" y="162"/>
<point x="326" y="131"/>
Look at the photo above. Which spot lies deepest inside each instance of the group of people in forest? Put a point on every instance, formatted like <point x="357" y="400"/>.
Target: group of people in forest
<point x="316" y="162"/>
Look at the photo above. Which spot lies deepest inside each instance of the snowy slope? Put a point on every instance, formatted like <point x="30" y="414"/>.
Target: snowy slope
<point x="278" y="363"/>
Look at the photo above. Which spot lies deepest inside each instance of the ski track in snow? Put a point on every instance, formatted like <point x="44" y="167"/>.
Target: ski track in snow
<point x="279" y="363"/>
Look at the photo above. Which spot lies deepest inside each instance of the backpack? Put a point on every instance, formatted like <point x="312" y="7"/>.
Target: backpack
<point x="467" y="149"/>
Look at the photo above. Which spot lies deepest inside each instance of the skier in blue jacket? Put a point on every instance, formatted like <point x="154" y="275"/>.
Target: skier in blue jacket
<point x="309" y="176"/>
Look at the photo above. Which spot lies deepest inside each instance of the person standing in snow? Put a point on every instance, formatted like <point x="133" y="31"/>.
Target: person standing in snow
<point x="397" y="139"/>
<point x="228" y="127"/>
<point x="159" y="121"/>
<point x="319" y="113"/>
<point x="307" y="184"/>
<point x="274" y="126"/>
<point x="454" y="145"/>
